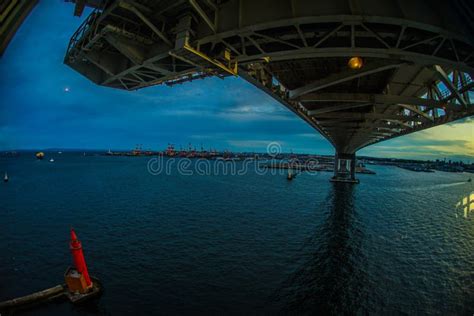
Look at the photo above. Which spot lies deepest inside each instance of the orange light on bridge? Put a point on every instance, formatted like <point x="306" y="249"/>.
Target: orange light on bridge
<point x="355" y="63"/>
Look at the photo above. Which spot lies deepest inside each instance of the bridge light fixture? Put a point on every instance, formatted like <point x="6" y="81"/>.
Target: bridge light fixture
<point x="355" y="63"/>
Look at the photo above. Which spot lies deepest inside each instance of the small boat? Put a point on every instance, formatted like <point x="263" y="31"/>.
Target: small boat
<point x="290" y="175"/>
<point x="5" y="178"/>
<point x="51" y="160"/>
<point x="39" y="155"/>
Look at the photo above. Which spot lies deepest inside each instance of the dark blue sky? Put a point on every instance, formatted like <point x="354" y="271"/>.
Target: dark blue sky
<point x="37" y="112"/>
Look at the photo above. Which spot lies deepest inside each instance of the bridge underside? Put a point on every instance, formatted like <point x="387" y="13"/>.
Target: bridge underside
<point x="12" y="15"/>
<point x="418" y="57"/>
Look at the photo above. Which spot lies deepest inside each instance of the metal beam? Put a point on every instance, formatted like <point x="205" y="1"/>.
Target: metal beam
<point x="370" y="116"/>
<point x="346" y="20"/>
<point x="445" y="79"/>
<point x="328" y="109"/>
<point x="341" y="77"/>
<point x="398" y="122"/>
<point x="136" y="67"/>
<point x="126" y="47"/>
<point x="386" y="99"/>
<point x="145" y="20"/>
<point x="329" y="34"/>
<point x="156" y="68"/>
<point x="273" y="39"/>
<point x="415" y="110"/>
<point x="392" y="54"/>
<point x="103" y="64"/>
<point x="203" y="15"/>
<point x="302" y="37"/>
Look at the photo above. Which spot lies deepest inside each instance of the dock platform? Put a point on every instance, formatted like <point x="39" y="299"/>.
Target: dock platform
<point x="51" y="294"/>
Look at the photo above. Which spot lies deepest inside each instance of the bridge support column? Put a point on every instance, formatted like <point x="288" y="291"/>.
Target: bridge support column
<point x="344" y="168"/>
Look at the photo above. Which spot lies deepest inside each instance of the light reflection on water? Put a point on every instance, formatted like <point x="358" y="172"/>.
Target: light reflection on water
<point x="467" y="205"/>
<point x="333" y="278"/>
<point x="433" y="187"/>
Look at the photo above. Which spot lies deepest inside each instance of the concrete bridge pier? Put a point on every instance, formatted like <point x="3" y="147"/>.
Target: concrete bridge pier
<point x="344" y="168"/>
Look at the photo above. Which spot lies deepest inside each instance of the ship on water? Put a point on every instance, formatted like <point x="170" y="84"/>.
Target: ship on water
<point x="39" y="155"/>
<point x="170" y="152"/>
<point x="290" y="175"/>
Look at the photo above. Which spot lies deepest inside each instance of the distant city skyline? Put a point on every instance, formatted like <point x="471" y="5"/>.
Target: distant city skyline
<point x="48" y="105"/>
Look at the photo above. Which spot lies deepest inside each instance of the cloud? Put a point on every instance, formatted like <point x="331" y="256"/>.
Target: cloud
<point x="255" y="144"/>
<point x="315" y="135"/>
<point x="450" y="140"/>
<point x="468" y="120"/>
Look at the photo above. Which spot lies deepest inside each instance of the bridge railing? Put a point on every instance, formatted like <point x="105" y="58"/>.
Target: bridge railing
<point x="78" y="37"/>
<point x="445" y="93"/>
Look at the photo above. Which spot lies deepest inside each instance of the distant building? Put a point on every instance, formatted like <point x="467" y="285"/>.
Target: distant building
<point x="12" y="14"/>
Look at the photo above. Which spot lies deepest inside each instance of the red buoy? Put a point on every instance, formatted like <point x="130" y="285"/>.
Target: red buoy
<point x="78" y="257"/>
